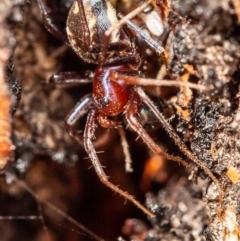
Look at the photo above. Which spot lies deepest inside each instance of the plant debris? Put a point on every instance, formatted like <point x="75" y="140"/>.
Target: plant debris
<point x="201" y="39"/>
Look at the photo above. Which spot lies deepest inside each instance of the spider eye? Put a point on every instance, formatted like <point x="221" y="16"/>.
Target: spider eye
<point x="103" y="102"/>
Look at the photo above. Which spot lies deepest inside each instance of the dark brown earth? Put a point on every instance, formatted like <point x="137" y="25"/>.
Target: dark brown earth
<point x="201" y="39"/>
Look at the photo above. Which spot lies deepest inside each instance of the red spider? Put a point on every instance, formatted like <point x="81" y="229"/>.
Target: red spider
<point x="98" y="37"/>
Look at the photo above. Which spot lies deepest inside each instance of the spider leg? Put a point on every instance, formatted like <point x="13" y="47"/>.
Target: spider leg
<point x="108" y="33"/>
<point x="80" y="109"/>
<point x="125" y="147"/>
<point x="179" y="142"/>
<point x="107" y="123"/>
<point x="49" y="24"/>
<point x="131" y="113"/>
<point x="123" y="60"/>
<point x="135" y="80"/>
<point x="88" y="135"/>
<point x="153" y="44"/>
<point x="150" y="42"/>
<point x="71" y="79"/>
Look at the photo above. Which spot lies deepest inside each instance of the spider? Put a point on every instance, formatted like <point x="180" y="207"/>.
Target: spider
<point x="100" y="36"/>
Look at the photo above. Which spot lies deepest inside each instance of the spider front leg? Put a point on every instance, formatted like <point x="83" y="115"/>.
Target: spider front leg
<point x="135" y="80"/>
<point x="71" y="79"/>
<point x="88" y="136"/>
<point x="49" y="24"/>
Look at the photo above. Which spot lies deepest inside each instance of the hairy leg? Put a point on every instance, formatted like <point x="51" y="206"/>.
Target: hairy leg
<point x="88" y="136"/>
<point x="179" y="142"/>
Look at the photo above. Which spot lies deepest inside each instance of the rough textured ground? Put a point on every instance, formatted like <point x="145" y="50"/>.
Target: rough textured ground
<point x="202" y="46"/>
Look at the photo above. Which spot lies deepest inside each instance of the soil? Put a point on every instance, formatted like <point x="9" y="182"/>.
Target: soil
<point x="46" y="171"/>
